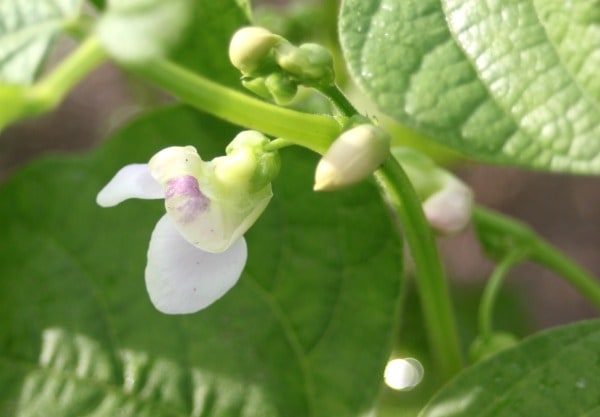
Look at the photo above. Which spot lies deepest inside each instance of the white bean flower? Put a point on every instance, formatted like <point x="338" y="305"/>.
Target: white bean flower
<point x="197" y="250"/>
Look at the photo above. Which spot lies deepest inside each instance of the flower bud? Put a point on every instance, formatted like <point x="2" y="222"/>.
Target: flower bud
<point x="354" y="155"/>
<point x="448" y="211"/>
<point x="309" y="62"/>
<point x="281" y="87"/>
<point x="426" y="177"/>
<point x="257" y="86"/>
<point x="447" y="201"/>
<point x="246" y="164"/>
<point x="250" y="47"/>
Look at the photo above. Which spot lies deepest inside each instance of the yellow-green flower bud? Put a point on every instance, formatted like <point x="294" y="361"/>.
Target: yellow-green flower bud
<point x="250" y="48"/>
<point x="282" y="88"/>
<point x="309" y="62"/>
<point x="257" y="86"/>
<point x="246" y="164"/>
<point x="354" y="155"/>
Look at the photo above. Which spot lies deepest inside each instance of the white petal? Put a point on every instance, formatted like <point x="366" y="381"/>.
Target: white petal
<point x="182" y="279"/>
<point x="176" y="161"/>
<point x="132" y="181"/>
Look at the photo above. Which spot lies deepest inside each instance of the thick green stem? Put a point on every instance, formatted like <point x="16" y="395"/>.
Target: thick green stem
<point x="339" y="99"/>
<point x="492" y="289"/>
<point x="507" y="231"/>
<point x="51" y="90"/>
<point x="315" y="132"/>
<point x="429" y="276"/>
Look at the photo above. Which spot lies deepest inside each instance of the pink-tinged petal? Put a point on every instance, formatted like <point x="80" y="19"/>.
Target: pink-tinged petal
<point x="182" y="279"/>
<point x="132" y="181"/>
<point x="184" y="200"/>
<point x="221" y="223"/>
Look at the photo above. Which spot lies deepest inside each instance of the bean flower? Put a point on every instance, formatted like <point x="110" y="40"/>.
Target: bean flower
<point x="197" y="251"/>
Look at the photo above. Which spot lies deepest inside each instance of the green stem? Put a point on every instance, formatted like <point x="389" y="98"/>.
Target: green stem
<point x="429" y="276"/>
<point x="315" y="132"/>
<point x="339" y="99"/>
<point x="513" y="232"/>
<point x="492" y="289"/>
<point x="51" y="90"/>
<point x="277" y="144"/>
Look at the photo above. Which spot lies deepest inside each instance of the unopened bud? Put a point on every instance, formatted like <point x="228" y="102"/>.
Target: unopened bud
<point x="448" y="211"/>
<point x="247" y="164"/>
<point x="281" y="87"/>
<point x="257" y="86"/>
<point x="250" y="47"/>
<point x="309" y="62"/>
<point x="355" y="155"/>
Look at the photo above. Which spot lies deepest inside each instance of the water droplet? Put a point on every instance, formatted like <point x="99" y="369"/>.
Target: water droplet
<point x="403" y="374"/>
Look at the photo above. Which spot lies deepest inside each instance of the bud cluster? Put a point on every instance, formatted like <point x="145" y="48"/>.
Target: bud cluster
<point x="273" y="68"/>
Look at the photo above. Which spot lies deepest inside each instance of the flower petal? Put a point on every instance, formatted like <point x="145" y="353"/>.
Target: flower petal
<point x="182" y="279"/>
<point x="132" y="181"/>
<point x="216" y="225"/>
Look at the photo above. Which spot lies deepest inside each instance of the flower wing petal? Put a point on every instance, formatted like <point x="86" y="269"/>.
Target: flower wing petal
<point x="132" y="181"/>
<point x="182" y="279"/>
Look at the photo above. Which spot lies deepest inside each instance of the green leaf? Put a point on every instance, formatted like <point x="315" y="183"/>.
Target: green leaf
<point x="555" y="373"/>
<point x="206" y="44"/>
<point x="512" y="82"/>
<point x="99" y="4"/>
<point x="141" y="30"/>
<point x="27" y="31"/>
<point x="306" y="331"/>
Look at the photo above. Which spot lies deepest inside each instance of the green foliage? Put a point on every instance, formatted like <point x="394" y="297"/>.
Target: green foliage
<point x="505" y="82"/>
<point x="306" y="332"/>
<point x="141" y="30"/>
<point x="27" y="31"/>
<point x="556" y="373"/>
<point x="204" y="48"/>
<point x="99" y="4"/>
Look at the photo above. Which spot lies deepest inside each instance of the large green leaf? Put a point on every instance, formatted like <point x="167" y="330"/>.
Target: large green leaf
<point x="27" y="29"/>
<point x="306" y="331"/>
<point x="207" y="41"/>
<point x="142" y="30"/>
<point x="511" y="82"/>
<point x="553" y="374"/>
<point x="194" y="33"/>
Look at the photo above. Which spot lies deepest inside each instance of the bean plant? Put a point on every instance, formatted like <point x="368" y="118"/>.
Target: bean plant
<point x="298" y="168"/>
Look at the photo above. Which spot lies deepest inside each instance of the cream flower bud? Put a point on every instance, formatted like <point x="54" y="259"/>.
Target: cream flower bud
<point x="354" y="155"/>
<point x="250" y="46"/>
<point x="449" y="210"/>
